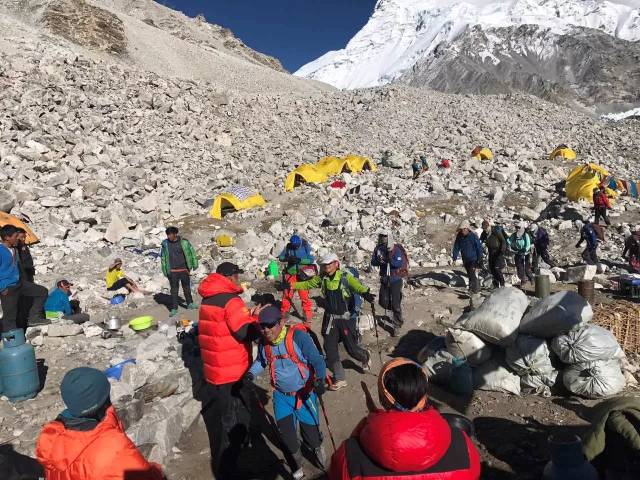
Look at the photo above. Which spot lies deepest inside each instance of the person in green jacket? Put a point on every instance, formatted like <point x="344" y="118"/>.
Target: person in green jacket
<point x="178" y="259"/>
<point x="337" y="325"/>
<point x="521" y="244"/>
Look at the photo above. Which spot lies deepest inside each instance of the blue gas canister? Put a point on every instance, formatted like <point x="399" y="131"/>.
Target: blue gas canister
<point x="18" y="368"/>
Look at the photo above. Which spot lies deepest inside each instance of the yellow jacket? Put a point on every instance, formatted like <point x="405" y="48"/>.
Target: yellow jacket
<point x="113" y="276"/>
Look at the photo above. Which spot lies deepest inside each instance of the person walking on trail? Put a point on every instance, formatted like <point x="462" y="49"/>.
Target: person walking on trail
<point x="407" y="438"/>
<point x="590" y="253"/>
<point x="298" y="374"/>
<point x="226" y="330"/>
<point x="58" y="301"/>
<point x="521" y="245"/>
<point x="391" y="259"/>
<point x="601" y="205"/>
<point x="416" y="168"/>
<point x="87" y="440"/>
<point x="632" y="248"/>
<point x="497" y="248"/>
<point x="541" y="240"/>
<point x="467" y="245"/>
<point x="178" y="260"/>
<point x="296" y="254"/>
<point x="117" y="279"/>
<point x="14" y="287"/>
<point x="337" y="324"/>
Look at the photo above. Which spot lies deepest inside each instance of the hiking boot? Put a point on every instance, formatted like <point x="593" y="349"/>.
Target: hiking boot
<point x="320" y="457"/>
<point x="192" y="306"/>
<point x="337" y="385"/>
<point x="296" y="469"/>
<point x="173" y="312"/>
<point x="298" y="474"/>
<point x="366" y="365"/>
<point x="39" y="322"/>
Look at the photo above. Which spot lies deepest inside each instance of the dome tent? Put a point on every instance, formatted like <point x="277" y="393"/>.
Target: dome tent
<point x="235" y="198"/>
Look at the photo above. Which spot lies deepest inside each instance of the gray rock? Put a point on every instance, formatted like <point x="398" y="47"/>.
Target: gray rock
<point x="64" y="330"/>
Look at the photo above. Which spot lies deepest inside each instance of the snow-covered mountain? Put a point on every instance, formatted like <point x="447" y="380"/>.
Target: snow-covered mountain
<point x="406" y="40"/>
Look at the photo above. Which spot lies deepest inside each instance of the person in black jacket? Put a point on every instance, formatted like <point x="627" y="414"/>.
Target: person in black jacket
<point x="541" y="242"/>
<point x="497" y="247"/>
<point x="24" y="253"/>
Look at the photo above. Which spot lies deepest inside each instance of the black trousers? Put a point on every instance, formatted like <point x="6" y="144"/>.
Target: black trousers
<point x="542" y="253"/>
<point x="336" y="329"/>
<point x="175" y="279"/>
<point x="474" y="283"/>
<point x="496" y="264"/>
<point x="523" y="267"/>
<point x="390" y="297"/>
<point x="227" y="417"/>
<point x="311" y="435"/>
<point x="601" y="212"/>
<point x="10" y="300"/>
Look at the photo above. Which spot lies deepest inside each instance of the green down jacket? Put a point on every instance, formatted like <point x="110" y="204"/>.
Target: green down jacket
<point x="189" y="255"/>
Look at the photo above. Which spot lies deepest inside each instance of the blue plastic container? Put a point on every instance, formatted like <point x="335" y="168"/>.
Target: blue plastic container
<point x="18" y="368"/>
<point x="115" y="372"/>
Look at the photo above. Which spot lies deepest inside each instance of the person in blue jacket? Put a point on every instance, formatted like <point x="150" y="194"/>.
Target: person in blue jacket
<point x="296" y="254"/>
<point x="298" y="373"/>
<point x="59" y="301"/>
<point x="590" y="254"/>
<point x="468" y="245"/>
<point x="9" y="277"/>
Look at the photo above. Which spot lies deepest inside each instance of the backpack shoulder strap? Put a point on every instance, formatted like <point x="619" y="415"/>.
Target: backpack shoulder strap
<point x="291" y="349"/>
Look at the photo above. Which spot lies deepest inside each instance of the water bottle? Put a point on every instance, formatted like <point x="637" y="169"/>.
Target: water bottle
<point x="18" y="368"/>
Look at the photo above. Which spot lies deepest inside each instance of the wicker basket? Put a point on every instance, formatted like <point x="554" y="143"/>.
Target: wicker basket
<point x="623" y="320"/>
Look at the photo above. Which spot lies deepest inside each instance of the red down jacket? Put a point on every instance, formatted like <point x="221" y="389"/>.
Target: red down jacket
<point x="222" y="312"/>
<point x="394" y="445"/>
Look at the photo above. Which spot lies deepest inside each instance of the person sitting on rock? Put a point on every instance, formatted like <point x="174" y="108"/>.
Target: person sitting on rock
<point x="467" y="244"/>
<point x="178" y="259"/>
<point x="337" y="325"/>
<point x="541" y="242"/>
<point x="87" y="440"/>
<point x="521" y="245"/>
<point x="58" y="302"/>
<point x="590" y="253"/>
<point x="296" y="254"/>
<point x="116" y="278"/>
<point x="408" y="438"/>
<point x="632" y="247"/>
<point x="298" y="375"/>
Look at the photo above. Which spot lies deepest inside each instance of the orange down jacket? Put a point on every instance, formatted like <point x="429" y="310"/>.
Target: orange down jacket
<point x="103" y="453"/>
<point x="222" y="312"/>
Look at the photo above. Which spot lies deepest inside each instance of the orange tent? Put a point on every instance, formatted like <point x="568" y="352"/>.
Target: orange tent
<point x="7" y="219"/>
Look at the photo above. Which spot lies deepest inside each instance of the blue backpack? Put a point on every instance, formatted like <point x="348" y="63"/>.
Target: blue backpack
<point x="355" y="300"/>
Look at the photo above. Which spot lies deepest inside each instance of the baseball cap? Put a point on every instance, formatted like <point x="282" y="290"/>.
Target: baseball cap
<point x="269" y="316"/>
<point x="227" y="269"/>
<point x="329" y="258"/>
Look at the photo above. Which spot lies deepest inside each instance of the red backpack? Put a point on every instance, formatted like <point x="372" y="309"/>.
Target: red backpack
<point x="403" y="271"/>
<point x="291" y="354"/>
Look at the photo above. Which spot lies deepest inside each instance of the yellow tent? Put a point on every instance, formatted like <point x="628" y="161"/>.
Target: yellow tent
<point x="235" y="198"/>
<point x="583" y="179"/>
<point x="482" y="153"/>
<point x="325" y="168"/>
<point x="8" y="219"/>
<point x="304" y="173"/>
<point x="564" y="152"/>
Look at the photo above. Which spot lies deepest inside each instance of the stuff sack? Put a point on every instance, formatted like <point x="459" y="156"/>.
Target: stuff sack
<point x="539" y="384"/>
<point x="496" y="321"/>
<point x="598" y="379"/>
<point x="556" y="314"/>
<point x="495" y="377"/>
<point x="589" y="344"/>
<point x="307" y="272"/>
<point x="467" y="345"/>
<point x="529" y="356"/>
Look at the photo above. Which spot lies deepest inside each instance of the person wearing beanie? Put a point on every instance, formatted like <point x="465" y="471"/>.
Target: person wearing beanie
<point x="540" y="238"/>
<point x="298" y="374"/>
<point x="521" y="245"/>
<point x="494" y="238"/>
<point x="87" y="440"/>
<point x="226" y="330"/>
<point x="467" y="244"/>
<point x="297" y="256"/>
<point x="407" y="438"/>
<point x="337" y="324"/>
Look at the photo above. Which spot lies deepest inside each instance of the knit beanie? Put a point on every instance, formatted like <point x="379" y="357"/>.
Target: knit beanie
<point x="84" y="390"/>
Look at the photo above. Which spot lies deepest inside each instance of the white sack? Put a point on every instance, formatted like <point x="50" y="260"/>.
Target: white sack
<point x="496" y="321"/>
<point x="539" y="384"/>
<point x="598" y="379"/>
<point x="588" y="344"/>
<point x="529" y="356"/>
<point x="556" y="314"/>
<point x="467" y="345"/>
<point x="495" y="377"/>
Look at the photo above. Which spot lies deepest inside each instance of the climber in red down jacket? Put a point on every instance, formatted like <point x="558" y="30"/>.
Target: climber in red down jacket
<point x="408" y="439"/>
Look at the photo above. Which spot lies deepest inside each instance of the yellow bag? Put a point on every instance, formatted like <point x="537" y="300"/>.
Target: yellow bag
<point x="225" y="240"/>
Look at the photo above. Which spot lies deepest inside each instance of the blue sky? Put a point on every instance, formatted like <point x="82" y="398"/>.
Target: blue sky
<point x="295" y="31"/>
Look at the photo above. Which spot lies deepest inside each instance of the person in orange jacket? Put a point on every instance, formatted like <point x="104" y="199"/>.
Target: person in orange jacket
<point x="87" y="440"/>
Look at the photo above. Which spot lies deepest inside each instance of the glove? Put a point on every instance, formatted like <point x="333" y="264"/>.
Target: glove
<point x="319" y="387"/>
<point x="369" y="297"/>
<point x="247" y="379"/>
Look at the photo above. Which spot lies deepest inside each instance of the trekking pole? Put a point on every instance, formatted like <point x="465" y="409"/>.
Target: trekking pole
<point x="326" y="419"/>
<point x="375" y="324"/>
